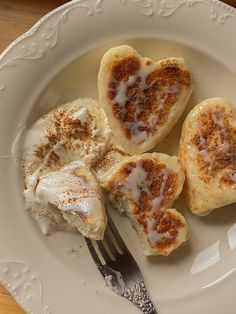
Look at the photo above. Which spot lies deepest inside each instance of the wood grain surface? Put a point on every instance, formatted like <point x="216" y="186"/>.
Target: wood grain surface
<point x="16" y="17"/>
<point x="8" y="304"/>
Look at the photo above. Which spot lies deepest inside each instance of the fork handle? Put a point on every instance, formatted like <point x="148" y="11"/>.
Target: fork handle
<point x="139" y="296"/>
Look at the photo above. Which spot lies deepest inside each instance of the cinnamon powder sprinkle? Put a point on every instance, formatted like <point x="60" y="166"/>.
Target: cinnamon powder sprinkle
<point x="54" y="158"/>
<point x="64" y="129"/>
<point x="149" y="190"/>
<point x="107" y="158"/>
<point x="42" y="150"/>
<point x="166" y="82"/>
<point x="219" y="144"/>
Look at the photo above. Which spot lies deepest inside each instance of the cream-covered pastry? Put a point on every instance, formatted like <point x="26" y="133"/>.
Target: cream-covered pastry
<point x="208" y="155"/>
<point x="75" y="131"/>
<point x="147" y="186"/>
<point x="75" y="191"/>
<point x="142" y="99"/>
<point x="110" y="158"/>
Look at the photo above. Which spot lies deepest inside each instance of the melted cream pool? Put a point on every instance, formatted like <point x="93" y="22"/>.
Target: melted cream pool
<point x="170" y="277"/>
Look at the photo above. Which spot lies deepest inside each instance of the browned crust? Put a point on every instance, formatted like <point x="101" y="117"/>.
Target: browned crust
<point x="142" y="101"/>
<point x="166" y="222"/>
<point x="107" y="158"/>
<point x="220" y="143"/>
<point x="150" y="189"/>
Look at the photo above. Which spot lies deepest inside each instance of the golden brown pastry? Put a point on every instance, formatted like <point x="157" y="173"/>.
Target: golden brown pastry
<point x="208" y="155"/>
<point x="147" y="186"/>
<point x="142" y="99"/>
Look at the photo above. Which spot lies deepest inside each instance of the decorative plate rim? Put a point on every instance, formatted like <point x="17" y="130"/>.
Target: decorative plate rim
<point x="40" y="22"/>
<point x="31" y="33"/>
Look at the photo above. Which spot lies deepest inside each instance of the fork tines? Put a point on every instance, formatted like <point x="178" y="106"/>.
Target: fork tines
<point x="119" y="269"/>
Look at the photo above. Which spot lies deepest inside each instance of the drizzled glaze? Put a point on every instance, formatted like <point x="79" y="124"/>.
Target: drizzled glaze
<point x="233" y="177"/>
<point x="142" y="94"/>
<point x="204" y="149"/>
<point x="156" y="202"/>
<point x="149" y="186"/>
<point x="154" y="236"/>
<point x="135" y="126"/>
<point x="121" y="92"/>
<point x="134" y="181"/>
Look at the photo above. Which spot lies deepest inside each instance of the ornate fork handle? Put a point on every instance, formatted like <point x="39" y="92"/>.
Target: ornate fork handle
<point x="139" y="296"/>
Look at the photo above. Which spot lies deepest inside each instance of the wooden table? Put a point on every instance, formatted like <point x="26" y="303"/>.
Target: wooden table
<point x="17" y="16"/>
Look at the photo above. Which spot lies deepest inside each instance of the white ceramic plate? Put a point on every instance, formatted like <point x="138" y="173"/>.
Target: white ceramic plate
<point x="58" y="60"/>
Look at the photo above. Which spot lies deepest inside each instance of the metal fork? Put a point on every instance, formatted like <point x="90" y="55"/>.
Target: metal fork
<point x="119" y="269"/>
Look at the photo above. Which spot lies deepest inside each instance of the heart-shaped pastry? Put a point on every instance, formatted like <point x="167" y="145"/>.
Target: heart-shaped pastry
<point x="146" y="186"/>
<point x="208" y="155"/>
<point x="142" y="99"/>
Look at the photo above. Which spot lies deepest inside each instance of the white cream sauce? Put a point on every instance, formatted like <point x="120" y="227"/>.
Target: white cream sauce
<point x="153" y="119"/>
<point x="121" y="91"/>
<point x="134" y="182"/>
<point x="140" y="137"/>
<point x="89" y="151"/>
<point x="137" y="136"/>
<point x="133" y="187"/>
<point x="156" y="202"/>
<point x="68" y="191"/>
<point x="204" y="151"/>
<point x="233" y="177"/>
<point x="205" y="155"/>
<point x="220" y="122"/>
<point x="121" y="98"/>
<point x="82" y="115"/>
<point x="153" y="235"/>
<point x="144" y="72"/>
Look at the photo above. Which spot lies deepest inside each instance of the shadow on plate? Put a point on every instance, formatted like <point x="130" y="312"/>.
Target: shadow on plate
<point x="182" y="253"/>
<point x="220" y="216"/>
